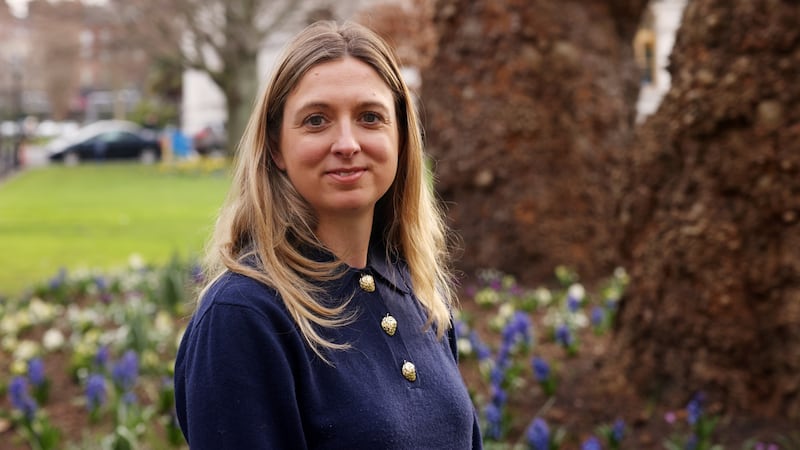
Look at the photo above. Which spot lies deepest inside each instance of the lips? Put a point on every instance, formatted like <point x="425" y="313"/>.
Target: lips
<point x="346" y="173"/>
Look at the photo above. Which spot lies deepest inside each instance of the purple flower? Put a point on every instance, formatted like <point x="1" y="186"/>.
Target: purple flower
<point x="95" y="391"/>
<point x="460" y="328"/>
<point x="694" y="410"/>
<point x="540" y="369"/>
<point x="126" y="370"/>
<point x="618" y="430"/>
<point x="57" y="281"/>
<point x="101" y="357"/>
<point x="564" y="335"/>
<point x="573" y="304"/>
<point x="538" y="435"/>
<point x="597" y="316"/>
<point x="481" y="350"/>
<point x="591" y="444"/>
<point x="691" y="443"/>
<point x="36" y="371"/>
<point x="21" y="398"/>
<point x="494" y="418"/>
<point x="129" y="398"/>
<point x="499" y="396"/>
<point x="101" y="283"/>
<point x="496" y="376"/>
<point x="670" y="417"/>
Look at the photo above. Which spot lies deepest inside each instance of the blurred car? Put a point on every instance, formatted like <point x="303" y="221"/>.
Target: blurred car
<point x="210" y="139"/>
<point x="107" y="139"/>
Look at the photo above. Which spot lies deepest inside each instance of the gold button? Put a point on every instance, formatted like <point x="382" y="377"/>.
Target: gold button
<point x="389" y="325"/>
<point x="409" y="371"/>
<point x="367" y="283"/>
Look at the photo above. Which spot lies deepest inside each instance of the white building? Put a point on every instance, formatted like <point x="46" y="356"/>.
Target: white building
<point x="653" y="45"/>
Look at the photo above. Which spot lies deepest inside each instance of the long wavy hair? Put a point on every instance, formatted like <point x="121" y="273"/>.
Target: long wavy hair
<point x="265" y="224"/>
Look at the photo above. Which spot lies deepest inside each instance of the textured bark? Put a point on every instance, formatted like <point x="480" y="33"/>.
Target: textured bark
<point x="712" y="216"/>
<point x="529" y="107"/>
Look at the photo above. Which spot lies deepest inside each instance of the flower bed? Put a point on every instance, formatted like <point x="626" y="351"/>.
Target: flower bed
<point x="87" y="361"/>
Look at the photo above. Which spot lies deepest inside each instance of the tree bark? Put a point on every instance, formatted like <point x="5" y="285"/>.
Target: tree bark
<point x="529" y="107"/>
<point x="711" y="216"/>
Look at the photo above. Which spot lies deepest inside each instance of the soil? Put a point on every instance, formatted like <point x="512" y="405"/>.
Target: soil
<point x="589" y="394"/>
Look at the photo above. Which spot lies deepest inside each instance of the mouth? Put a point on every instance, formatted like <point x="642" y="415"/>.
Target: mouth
<point x="346" y="175"/>
<point x="346" y="172"/>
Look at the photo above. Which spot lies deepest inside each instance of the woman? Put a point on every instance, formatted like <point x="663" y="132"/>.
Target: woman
<point x="327" y="321"/>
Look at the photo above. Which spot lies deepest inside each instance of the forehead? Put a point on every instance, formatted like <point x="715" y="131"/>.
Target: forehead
<point x="341" y="77"/>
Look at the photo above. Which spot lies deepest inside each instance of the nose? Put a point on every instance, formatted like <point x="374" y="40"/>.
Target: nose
<point x="345" y="143"/>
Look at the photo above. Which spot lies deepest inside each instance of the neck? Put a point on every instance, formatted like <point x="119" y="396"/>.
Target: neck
<point x="347" y="237"/>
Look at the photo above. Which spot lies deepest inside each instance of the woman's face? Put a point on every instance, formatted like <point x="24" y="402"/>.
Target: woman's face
<point x="339" y="138"/>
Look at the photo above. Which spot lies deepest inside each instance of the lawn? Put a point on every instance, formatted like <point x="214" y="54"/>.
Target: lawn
<point x="98" y="216"/>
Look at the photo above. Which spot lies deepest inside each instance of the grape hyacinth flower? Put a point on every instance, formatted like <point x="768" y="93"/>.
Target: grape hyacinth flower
<point x="126" y="371"/>
<point x="591" y="444"/>
<point x="542" y="373"/>
<point x="481" y="350"/>
<point x="573" y="304"/>
<point x="538" y="435"/>
<point x="102" y="355"/>
<point x="36" y="372"/>
<point x="494" y="417"/>
<point x="95" y="391"/>
<point x="618" y="430"/>
<point x="564" y="335"/>
<point x="597" y="316"/>
<point x="694" y="410"/>
<point x="20" y="397"/>
<point x="540" y="369"/>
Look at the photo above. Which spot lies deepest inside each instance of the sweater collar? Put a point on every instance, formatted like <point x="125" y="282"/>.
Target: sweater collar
<point x="388" y="266"/>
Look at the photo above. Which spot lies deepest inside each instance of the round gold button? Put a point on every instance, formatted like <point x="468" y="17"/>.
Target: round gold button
<point x="389" y="324"/>
<point x="409" y="371"/>
<point x="367" y="283"/>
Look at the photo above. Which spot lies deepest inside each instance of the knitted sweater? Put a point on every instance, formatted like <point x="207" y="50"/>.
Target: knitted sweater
<point x="246" y="379"/>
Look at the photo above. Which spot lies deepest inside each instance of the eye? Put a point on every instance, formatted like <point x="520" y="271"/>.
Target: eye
<point x="315" y="121"/>
<point x="371" y="118"/>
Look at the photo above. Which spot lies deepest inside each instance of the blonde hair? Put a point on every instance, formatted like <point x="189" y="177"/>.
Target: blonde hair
<point x="265" y="223"/>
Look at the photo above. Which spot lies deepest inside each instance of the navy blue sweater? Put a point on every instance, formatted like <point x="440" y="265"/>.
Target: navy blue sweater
<point x="246" y="379"/>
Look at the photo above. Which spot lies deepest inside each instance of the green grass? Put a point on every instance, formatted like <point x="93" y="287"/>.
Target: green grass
<point x="97" y="216"/>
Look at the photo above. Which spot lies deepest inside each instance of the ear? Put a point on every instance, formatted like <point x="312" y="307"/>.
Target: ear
<point x="277" y="157"/>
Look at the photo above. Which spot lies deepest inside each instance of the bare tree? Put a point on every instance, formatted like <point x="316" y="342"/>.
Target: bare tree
<point x="219" y="37"/>
<point x="55" y="32"/>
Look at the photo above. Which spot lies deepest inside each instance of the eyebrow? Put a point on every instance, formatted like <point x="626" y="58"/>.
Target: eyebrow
<point x="359" y="105"/>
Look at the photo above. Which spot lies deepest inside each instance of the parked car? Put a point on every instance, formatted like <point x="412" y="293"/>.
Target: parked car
<point x="210" y="139"/>
<point x="107" y="139"/>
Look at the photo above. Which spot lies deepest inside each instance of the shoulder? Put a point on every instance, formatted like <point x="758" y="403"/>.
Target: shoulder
<point x="236" y="291"/>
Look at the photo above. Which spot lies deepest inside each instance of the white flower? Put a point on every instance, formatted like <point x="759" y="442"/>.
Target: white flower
<point x="576" y="291"/>
<point x="464" y="346"/>
<point x="580" y="319"/>
<point x="9" y="343"/>
<point x="53" y="339"/>
<point x="26" y="349"/>
<point x="543" y="296"/>
<point x="163" y="323"/>
<point x="136" y="262"/>
<point x="9" y="325"/>
<point x="506" y="311"/>
<point x="41" y="312"/>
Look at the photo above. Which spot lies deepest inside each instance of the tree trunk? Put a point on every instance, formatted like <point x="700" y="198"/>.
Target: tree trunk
<point x="711" y="216"/>
<point x="529" y="107"/>
<point x="240" y="86"/>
